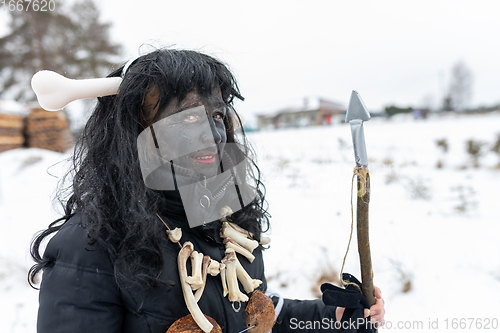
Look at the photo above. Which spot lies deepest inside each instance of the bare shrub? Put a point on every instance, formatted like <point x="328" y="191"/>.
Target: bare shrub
<point x="282" y="280"/>
<point x="322" y="161"/>
<point x="474" y="149"/>
<point x="282" y="163"/>
<point x="404" y="275"/>
<point x="392" y="176"/>
<point x="496" y="149"/>
<point x="443" y="146"/>
<point x="342" y="144"/>
<point x="419" y="188"/>
<point x="465" y="198"/>
<point x="326" y="275"/>
<point x="296" y="177"/>
<point x="388" y="161"/>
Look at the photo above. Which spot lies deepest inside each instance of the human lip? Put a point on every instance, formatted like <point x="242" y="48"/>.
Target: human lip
<point x="207" y="158"/>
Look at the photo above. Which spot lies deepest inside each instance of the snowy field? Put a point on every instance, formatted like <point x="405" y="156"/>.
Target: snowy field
<point x="434" y="231"/>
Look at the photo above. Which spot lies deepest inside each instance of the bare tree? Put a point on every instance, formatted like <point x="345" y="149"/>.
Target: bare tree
<point x="496" y="148"/>
<point x="71" y="41"/>
<point x="460" y="89"/>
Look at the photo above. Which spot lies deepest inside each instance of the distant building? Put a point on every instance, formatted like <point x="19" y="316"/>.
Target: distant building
<point x="316" y="111"/>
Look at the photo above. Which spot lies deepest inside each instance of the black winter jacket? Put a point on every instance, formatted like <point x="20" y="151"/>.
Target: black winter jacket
<point x="79" y="291"/>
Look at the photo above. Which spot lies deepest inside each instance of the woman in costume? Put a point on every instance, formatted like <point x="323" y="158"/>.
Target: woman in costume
<point x="165" y="153"/>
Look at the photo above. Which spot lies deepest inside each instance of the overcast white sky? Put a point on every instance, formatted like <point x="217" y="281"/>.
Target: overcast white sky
<point x="391" y="51"/>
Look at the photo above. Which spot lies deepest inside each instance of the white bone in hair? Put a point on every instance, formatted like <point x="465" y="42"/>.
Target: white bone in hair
<point x="55" y="91"/>
<point x="196" y="279"/>
<point x="189" y="298"/>
<point x="228" y="232"/>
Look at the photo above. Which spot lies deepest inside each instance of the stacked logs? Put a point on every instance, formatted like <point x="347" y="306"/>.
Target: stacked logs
<point x="48" y="130"/>
<point x="11" y="131"/>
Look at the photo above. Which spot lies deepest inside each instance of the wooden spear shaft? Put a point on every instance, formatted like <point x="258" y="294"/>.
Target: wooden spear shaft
<point x="357" y="114"/>
<point x="363" y="201"/>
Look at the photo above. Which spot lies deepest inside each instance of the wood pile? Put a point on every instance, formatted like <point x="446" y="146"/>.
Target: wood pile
<point x="48" y="130"/>
<point x="11" y="131"/>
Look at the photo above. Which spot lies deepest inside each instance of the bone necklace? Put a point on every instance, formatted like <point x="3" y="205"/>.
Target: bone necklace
<point x="236" y="240"/>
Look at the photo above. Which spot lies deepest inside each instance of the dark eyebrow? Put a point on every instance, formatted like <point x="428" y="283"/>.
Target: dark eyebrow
<point x="221" y="105"/>
<point x="189" y="106"/>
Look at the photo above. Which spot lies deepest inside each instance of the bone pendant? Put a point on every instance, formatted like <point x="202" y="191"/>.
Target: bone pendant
<point x="245" y="232"/>
<point x="214" y="267"/>
<point x="264" y="240"/>
<point x="247" y="282"/>
<point x="174" y="235"/>
<point x="235" y="295"/>
<point x="228" y="232"/>
<point x="223" y="279"/>
<point x="196" y="279"/>
<point x="225" y="212"/>
<point x="231" y="244"/>
<point x="204" y="271"/>
<point x="189" y="298"/>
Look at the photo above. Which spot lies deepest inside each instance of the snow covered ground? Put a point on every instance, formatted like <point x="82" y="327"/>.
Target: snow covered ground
<point x="434" y="231"/>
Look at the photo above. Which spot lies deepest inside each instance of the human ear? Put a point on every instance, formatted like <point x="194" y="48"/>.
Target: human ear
<point x="150" y="105"/>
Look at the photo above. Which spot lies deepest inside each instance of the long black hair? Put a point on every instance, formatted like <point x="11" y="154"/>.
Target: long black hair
<point x="107" y="186"/>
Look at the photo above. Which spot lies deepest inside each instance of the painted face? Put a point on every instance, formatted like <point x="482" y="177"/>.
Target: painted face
<point x="192" y="134"/>
<point x="182" y="151"/>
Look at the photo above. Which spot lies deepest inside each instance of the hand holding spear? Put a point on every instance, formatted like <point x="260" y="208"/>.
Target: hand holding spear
<point x="355" y="116"/>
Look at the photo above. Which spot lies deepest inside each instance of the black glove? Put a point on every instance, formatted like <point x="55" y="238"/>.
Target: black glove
<point x="354" y="303"/>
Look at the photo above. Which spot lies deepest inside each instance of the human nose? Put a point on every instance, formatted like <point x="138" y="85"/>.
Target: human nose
<point x="212" y="136"/>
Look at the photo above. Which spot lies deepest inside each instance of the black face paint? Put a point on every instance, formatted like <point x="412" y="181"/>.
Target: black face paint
<point x="192" y="133"/>
<point x="186" y="150"/>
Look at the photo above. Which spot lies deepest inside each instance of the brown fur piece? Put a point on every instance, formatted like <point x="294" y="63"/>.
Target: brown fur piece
<point x="187" y="324"/>
<point x="260" y="312"/>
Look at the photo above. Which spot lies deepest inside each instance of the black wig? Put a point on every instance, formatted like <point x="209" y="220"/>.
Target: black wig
<point x="107" y="186"/>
